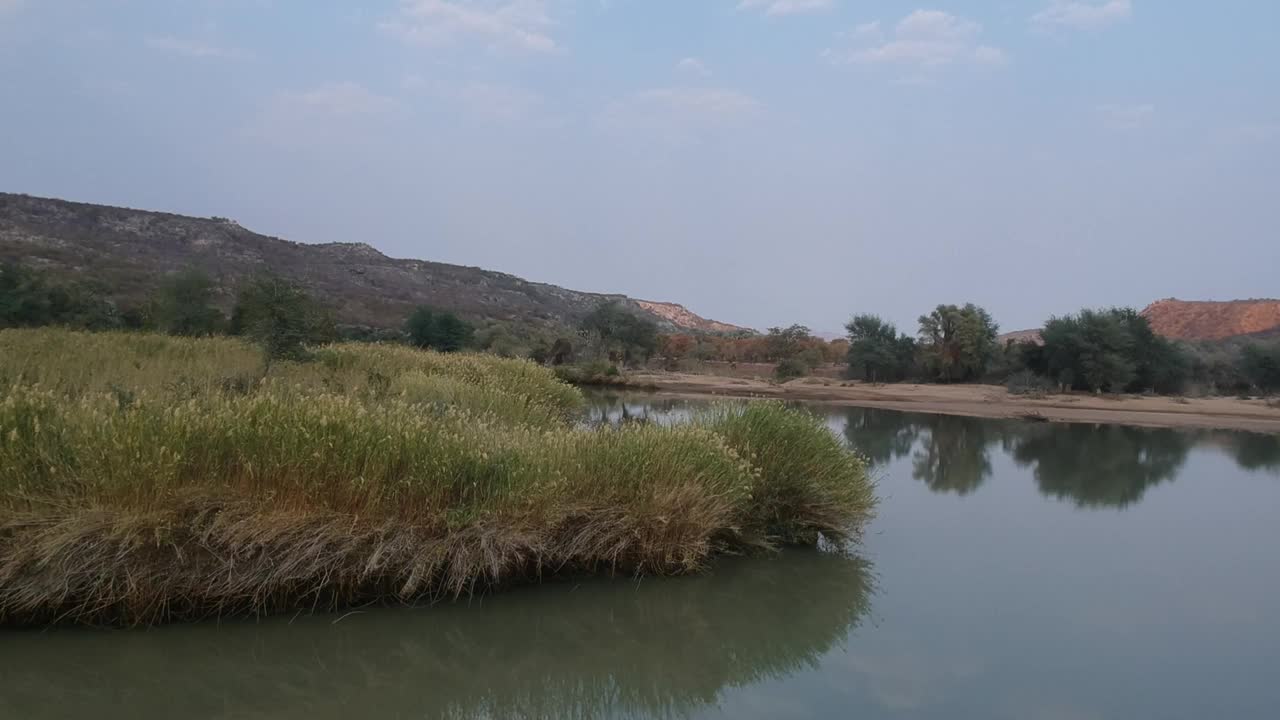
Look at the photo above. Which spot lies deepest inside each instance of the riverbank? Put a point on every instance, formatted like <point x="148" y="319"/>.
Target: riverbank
<point x="990" y="401"/>
<point x="147" y="479"/>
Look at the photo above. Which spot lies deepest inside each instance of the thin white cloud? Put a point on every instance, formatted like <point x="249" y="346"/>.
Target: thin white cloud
<point x="344" y="98"/>
<point x="871" y="30"/>
<point x="1125" y="118"/>
<point x="196" y="48"/>
<point x="1080" y="15"/>
<point x="679" y="114"/>
<point x="922" y="41"/>
<point x="500" y="102"/>
<point x="342" y="110"/>
<point x="522" y="25"/>
<point x="693" y="66"/>
<point x="487" y="100"/>
<point x="786" y="7"/>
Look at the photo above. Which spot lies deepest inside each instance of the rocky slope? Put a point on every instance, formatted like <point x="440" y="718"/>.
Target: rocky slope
<point x="1205" y="320"/>
<point x="126" y="252"/>
<point x="679" y="316"/>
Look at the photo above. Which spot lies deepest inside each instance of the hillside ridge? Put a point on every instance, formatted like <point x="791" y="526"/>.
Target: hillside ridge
<point x="127" y="251"/>
<point x="1212" y="319"/>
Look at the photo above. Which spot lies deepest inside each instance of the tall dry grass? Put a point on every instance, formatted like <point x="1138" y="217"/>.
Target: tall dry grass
<point x="145" y="479"/>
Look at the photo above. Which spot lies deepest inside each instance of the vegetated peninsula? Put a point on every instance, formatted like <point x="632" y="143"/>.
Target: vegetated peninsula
<point x="149" y="478"/>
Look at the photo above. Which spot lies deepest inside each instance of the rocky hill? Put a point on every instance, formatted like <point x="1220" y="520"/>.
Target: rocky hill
<point x="126" y="252"/>
<point x="1206" y="320"/>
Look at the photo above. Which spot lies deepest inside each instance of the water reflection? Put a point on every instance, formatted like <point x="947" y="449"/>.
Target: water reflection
<point x="1254" y="451"/>
<point x="654" y="648"/>
<point x="954" y="454"/>
<point x="611" y="408"/>
<point x="880" y="436"/>
<point x="1101" y="465"/>
<point x="1093" y="466"/>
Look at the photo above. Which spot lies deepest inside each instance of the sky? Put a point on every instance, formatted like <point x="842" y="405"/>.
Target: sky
<point x="764" y="162"/>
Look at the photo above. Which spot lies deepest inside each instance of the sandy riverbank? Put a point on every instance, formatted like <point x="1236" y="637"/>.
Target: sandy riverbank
<point x="984" y="401"/>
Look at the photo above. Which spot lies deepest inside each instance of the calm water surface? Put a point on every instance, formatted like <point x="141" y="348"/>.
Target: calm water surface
<point x="1016" y="570"/>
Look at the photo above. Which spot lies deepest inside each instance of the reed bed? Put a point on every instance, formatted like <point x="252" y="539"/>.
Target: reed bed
<point x="146" y="479"/>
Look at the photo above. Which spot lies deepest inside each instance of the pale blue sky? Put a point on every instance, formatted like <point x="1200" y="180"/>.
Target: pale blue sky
<point x="763" y="162"/>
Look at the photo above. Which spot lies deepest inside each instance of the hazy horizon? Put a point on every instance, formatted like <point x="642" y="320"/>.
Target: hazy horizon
<point x="761" y="162"/>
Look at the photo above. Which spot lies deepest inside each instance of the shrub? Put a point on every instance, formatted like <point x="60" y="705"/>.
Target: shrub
<point x="1025" y="382"/>
<point x="790" y="368"/>
<point x="281" y="318"/>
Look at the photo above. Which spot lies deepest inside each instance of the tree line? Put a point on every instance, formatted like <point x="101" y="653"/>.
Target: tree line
<point x="1111" y="350"/>
<point x="269" y="310"/>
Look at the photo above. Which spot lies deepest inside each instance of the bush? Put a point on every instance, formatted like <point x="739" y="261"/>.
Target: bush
<point x="596" y="372"/>
<point x="789" y="369"/>
<point x="1025" y="382"/>
<point x="281" y="318"/>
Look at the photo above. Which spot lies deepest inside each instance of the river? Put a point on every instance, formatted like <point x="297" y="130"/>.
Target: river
<point x="1015" y="570"/>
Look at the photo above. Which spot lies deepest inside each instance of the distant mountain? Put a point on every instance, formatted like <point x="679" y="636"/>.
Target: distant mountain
<point x="1196" y="320"/>
<point x="1206" y="320"/>
<point x="1018" y="336"/>
<point x="127" y="252"/>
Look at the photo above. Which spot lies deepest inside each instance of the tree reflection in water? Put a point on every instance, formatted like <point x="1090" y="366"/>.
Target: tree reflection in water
<point x="954" y="454"/>
<point x="1095" y="466"/>
<point x="1101" y="465"/>
<point x="1254" y="451"/>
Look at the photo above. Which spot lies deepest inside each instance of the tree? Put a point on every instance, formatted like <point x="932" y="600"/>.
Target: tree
<point x="28" y="299"/>
<point x="184" y="305"/>
<point x="876" y="351"/>
<point x="621" y="334"/>
<point x="1112" y="350"/>
<point x="561" y="352"/>
<point x="420" y="328"/>
<point x="24" y="299"/>
<point x="452" y="333"/>
<point x="281" y="317"/>
<point x="675" y="348"/>
<point x="443" y="331"/>
<point x="783" y="343"/>
<point x="1260" y="365"/>
<point x="1089" y="351"/>
<point x="956" y="343"/>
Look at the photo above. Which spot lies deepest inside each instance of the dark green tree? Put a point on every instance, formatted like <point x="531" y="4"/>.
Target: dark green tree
<point x="622" y="335"/>
<point x="184" y="305"/>
<point x="877" y="352"/>
<point x="1112" y="350"/>
<point x="29" y="299"/>
<point x="24" y="297"/>
<point x="420" y="328"/>
<point x="452" y="334"/>
<point x="281" y="317"/>
<point x="1260" y="365"/>
<point x="442" y="331"/>
<point x="956" y="343"/>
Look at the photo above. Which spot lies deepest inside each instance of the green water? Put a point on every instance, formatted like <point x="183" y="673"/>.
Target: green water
<point x="1015" y="571"/>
